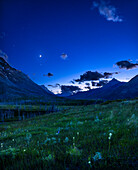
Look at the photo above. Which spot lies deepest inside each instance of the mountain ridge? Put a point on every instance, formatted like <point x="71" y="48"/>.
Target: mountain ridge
<point x="111" y="91"/>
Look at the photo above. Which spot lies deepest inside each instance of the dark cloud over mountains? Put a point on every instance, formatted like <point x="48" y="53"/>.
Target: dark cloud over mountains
<point x="77" y="81"/>
<point x="69" y="89"/>
<point x="90" y="76"/>
<point x="66" y="89"/>
<point x="72" y="82"/>
<point x="93" y="83"/>
<point x="94" y="77"/>
<point x="54" y="86"/>
<point x="126" y="64"/>
<point x="102" y="83"/>
<point x="87" y="86"/>
<point x="108" y="75"/>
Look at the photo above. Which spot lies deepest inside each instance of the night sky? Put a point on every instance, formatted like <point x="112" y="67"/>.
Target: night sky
<point x="69" y="37"/>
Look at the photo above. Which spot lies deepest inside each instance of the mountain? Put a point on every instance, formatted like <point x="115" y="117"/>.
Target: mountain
<point x="64" y="94"/>
<point x="15" y="84"/>
<point x="111" y="91"/>
<point x="127" y="91"/>
<point x="46" y="89"/>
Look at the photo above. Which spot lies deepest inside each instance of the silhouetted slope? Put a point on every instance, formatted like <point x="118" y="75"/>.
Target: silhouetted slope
<point x="14" y="83"/>
<point x="46" y="89"/>
<point x="128" y="90"/>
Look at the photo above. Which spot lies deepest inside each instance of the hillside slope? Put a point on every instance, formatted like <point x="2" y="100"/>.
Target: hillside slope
<point x="128" y="90"/>
<point x="14" y="83"/>
<point x="99" y="93"/>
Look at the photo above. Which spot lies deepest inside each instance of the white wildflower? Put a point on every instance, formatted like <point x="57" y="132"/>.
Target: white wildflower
<point x="110" y="135"/>
<point x="89" y="162"/>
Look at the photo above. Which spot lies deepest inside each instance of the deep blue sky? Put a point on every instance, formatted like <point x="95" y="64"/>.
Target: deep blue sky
<point x="52" y="27"/>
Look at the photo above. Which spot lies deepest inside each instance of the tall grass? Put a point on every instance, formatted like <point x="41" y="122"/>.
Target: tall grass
<point x="76" y="137"/>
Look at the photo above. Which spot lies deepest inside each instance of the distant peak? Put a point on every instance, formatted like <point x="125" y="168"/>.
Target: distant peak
<point x="114" y="80"/>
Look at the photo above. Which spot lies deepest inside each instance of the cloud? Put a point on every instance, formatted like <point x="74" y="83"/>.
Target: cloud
<point x="3" y="55"/>
<point x="55" y="86"/>
<point x="102" y="83"/>
<point x="52" y="86"/>
<point x="64" y="56"/>
<point x="72" y="81"/>
<point x="108" y="75"/>
<point x="89" y="75"/>
<point x="126" y="64"/>
<point x="94" y="83"/>
<point x="108" y="11"/>
<point x="69" y="89"/>
<point x="77" y="80"/>
<point x="66" y="89"/>
<point x="87" y="86"/>
<point x="48" y="75"/>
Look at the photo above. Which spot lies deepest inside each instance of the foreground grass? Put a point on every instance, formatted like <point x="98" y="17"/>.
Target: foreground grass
<point x="78" y="137"/>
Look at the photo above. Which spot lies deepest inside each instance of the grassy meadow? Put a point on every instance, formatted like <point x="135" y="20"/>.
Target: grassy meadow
<point x="96" y="136"/>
